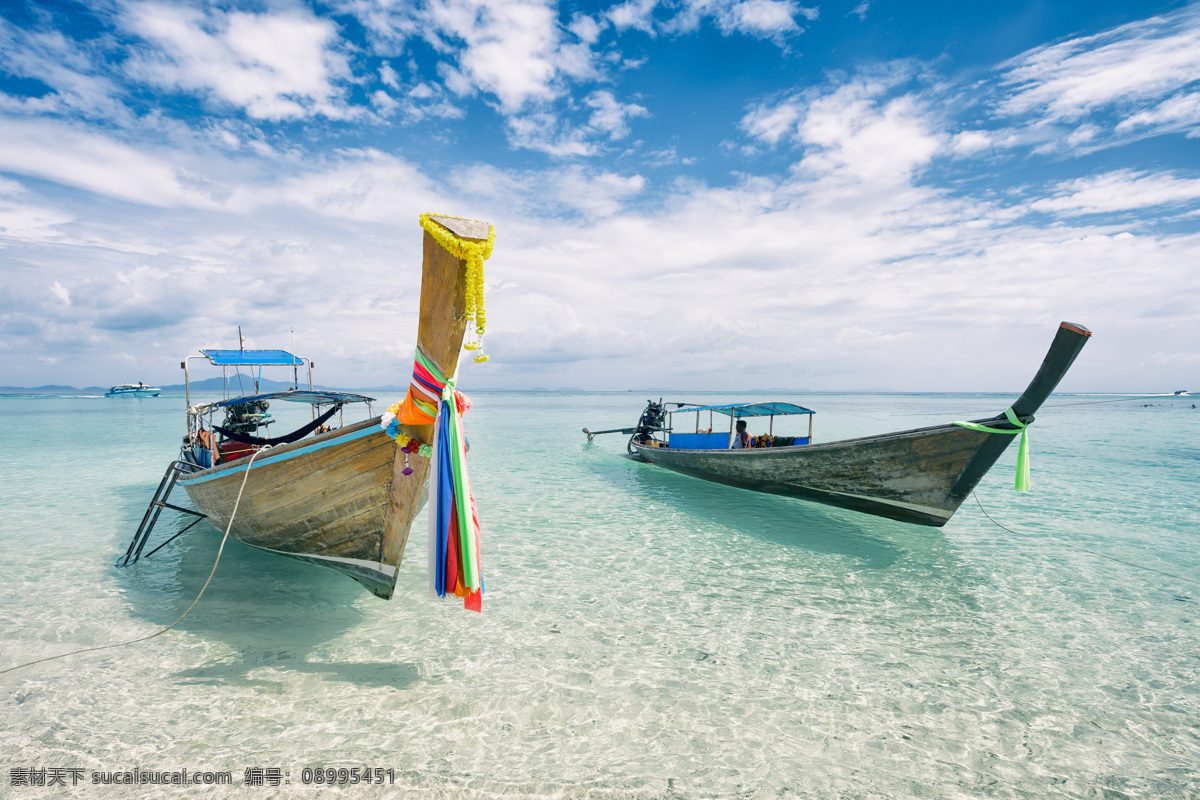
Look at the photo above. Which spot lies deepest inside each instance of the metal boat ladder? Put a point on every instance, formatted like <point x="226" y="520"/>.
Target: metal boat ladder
<point x="157" y="504"/>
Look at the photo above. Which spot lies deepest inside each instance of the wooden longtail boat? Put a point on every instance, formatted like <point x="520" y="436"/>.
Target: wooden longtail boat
<point x="920" y="475"/>
<point x="342" y="498"/>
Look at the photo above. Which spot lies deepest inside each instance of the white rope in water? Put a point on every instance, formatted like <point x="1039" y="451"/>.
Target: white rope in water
<point x="1086" y="550"/>
<point x="220" y="550"/>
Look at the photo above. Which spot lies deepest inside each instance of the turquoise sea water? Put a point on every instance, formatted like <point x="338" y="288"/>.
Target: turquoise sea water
<point x="644" y="634"/>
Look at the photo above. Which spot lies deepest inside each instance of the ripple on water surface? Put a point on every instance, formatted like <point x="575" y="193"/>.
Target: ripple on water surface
<point x="644" y="634"/>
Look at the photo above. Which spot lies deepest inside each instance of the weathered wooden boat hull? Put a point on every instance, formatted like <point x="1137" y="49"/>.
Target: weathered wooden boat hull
<point x="920" y="476"/>
<point x="342" y="499"/>
<point x="913" y="476"/>
<point x="330" y="500"/>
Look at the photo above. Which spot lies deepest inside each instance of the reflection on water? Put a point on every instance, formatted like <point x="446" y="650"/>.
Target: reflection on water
<point x="776" y="519"/>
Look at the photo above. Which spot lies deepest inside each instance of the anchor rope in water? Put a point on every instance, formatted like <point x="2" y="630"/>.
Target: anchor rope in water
<point x="220" y="550"/>
<point x="1086" y="550"/>
<point x="1061" y="405"/>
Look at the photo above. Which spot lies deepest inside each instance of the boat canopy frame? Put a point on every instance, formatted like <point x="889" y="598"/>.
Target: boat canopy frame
<point x="736" y="411"/>
<point x="245" y="358"/>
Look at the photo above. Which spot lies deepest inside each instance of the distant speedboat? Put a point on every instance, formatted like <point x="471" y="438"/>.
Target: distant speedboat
<point x="1181" y="393"/>
<point x="132" y="390"/>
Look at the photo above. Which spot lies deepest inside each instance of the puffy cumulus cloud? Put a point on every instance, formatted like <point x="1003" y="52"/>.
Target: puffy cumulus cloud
<point x="514" y="50"/>
<point x="634" y="14"/>
<point x="586" y="29"/>
<point x="764" y="18"/>
<point x="610" y="116"/>
<point x="273" y="65"/>
<point x="1145" y="74"/>
<point x="858" y="129"/>
<point x="1117" y="191"/>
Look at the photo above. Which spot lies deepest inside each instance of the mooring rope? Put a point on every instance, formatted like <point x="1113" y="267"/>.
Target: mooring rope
<point x="220" y="550"/>
<point x="1086" y="550"/>
<point x="1057" y="405"/>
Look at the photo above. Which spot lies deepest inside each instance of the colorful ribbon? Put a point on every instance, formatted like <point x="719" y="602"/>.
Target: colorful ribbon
<point x="454" y="563"/>
<point x="1021" y="482"/>
<point x="454" y="552"/>
<point x="420" y="405"/>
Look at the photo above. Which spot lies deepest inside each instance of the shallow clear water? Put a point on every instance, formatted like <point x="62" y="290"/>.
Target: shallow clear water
<point x="644" y="634"/>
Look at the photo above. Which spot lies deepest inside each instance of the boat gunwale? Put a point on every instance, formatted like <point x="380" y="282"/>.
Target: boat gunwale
<point x="946" y="427"/>
<point x="357" y="430"/>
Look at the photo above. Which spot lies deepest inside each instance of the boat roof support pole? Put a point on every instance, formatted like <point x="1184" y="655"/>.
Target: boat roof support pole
<point x="187" y="389"/>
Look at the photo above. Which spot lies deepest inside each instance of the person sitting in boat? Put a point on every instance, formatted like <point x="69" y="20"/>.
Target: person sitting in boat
<point x="741" y="439"/>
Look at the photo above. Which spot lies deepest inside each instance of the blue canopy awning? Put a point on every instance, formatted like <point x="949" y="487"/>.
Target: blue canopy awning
<point x="771" y="409"/>
<point x="310" y="396"/>
<point x="252" y="358"/>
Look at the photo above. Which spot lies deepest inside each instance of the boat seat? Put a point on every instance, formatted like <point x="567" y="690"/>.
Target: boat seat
<point x="700" y="441"/>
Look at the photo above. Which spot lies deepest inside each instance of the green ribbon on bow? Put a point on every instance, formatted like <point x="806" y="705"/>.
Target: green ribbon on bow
<point x="1022" y="480"/>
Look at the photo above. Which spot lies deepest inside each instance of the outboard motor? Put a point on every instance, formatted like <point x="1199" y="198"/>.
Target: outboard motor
<point x="653" y="419"/>
<point x="247" y="417"/>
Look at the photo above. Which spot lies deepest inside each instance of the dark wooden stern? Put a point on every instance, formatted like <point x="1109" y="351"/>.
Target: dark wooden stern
<point x="920" y="476"/>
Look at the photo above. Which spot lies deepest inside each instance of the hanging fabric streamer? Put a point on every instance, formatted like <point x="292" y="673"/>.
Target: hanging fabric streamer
<point x="454" y="560"/>
<point x="1021" y="483"/>
<point x="454" y="553"/>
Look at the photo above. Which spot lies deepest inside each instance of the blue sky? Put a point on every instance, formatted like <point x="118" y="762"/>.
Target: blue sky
<point x="704" y="194"/>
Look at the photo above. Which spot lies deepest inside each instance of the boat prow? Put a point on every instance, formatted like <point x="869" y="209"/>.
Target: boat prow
<point x="341" y="497"/>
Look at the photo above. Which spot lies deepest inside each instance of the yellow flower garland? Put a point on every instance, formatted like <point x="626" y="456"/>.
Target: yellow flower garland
<point x="474" y="253"/>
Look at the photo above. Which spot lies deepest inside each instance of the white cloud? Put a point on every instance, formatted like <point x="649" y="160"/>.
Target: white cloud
<point x="545" y="132"/>
<point x="77" y="156"/>
<point x="78" y="85"/>
<point x="759" y="17"/>
<point x="855" y="129"/>
<point x="586" y="28"/>
<point x="1182" y="111"/>
<point x="1146" y="73"/>
<point x="1175" y="359"/>
<point x="612" y="117"/>
<point x="389" y="76"/>
<point x="773" y="122"/>
<point x="273" y="65"/>
<point x="764" y="19"/>
<point x="635" y="14"/>
<point x="969" y="143"/>
<point x="865" y="140"/>
<point x="512" y="49"/>
<point x="1121" y="190"/>
<point x="11" y="188"/>
<point x="60" y="291"/>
